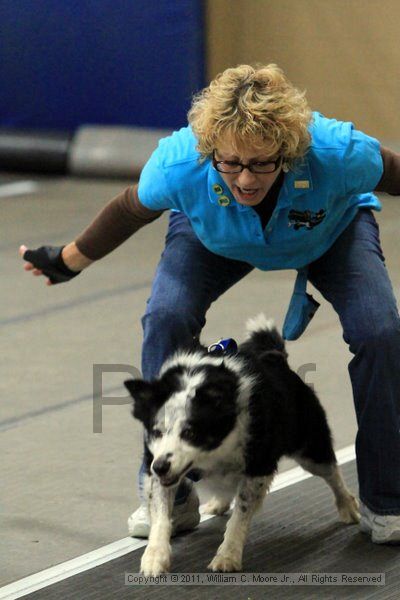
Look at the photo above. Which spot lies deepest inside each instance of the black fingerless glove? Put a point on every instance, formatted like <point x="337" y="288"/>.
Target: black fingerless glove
<point x="49" y="260"/>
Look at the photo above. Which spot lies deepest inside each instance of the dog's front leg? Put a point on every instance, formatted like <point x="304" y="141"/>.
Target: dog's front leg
<point x="157" y="556"/>
<point x="248" y="499"/>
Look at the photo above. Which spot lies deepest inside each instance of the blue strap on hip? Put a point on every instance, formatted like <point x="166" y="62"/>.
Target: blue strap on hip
<point x="301" y="309"/>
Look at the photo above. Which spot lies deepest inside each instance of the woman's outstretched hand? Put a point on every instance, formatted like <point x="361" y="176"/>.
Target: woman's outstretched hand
<point x="48" y="261"/>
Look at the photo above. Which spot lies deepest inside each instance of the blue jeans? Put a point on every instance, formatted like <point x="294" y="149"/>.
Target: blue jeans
<point x="352" y="276"/>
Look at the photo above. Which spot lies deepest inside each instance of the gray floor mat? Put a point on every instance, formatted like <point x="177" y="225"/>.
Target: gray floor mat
<point x="296" y="532"/>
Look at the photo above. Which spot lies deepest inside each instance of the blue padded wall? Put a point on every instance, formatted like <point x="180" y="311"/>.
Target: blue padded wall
<point x="65" y="63"/>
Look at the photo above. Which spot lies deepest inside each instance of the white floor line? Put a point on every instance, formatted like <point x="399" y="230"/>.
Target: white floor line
<point x="18" y="188"/>
<point x="67" y="569"/>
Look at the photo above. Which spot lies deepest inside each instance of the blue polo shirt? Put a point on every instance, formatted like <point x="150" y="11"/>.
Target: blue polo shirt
<point x="319" y="198"/>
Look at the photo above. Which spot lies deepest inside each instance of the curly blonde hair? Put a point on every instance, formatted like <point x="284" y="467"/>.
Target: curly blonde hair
<point x="254" y="106"/>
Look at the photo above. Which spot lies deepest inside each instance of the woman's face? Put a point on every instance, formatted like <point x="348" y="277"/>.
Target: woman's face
<point x="247" y="188"/>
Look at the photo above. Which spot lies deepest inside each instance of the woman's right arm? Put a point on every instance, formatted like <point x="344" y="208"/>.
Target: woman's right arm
<point x="114" y="224"/>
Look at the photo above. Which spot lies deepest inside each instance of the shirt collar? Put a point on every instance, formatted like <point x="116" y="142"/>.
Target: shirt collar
<point x="218" y="191"/>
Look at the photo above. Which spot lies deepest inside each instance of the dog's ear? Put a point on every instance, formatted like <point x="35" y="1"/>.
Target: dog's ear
<point x="142" y="393"/>
<point x="137" y="387"/>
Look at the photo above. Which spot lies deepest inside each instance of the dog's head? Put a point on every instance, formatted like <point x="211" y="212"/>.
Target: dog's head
<point x="187" y="413"/>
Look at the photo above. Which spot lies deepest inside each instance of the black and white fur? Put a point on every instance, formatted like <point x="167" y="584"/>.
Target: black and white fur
<point x="232" y="417"/>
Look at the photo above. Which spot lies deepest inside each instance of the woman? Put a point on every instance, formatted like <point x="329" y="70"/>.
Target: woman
<point x="257" y="180"/>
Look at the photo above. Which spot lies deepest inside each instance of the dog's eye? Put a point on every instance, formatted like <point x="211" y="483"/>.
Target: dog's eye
<point x="187" y="433"/>
<point x="156" y="433"/>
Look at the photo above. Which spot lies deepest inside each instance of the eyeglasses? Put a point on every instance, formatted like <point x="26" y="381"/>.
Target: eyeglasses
<point x="232" y="166"/>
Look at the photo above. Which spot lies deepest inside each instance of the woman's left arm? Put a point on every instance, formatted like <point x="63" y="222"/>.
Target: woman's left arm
<point x="390" y="180"/>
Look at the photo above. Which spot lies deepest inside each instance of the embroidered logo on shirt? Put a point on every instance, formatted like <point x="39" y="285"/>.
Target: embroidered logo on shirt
<point x="306" y="218"/>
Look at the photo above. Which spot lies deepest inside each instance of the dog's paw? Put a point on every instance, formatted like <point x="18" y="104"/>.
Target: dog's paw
<point x="215" y="506"/>
<point x="348" y="510"/>
<point x="155" y="560"/>
<point x="225" y="563"/>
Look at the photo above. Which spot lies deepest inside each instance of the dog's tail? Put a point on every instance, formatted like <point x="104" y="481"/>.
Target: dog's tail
<point x="263" y="335"/>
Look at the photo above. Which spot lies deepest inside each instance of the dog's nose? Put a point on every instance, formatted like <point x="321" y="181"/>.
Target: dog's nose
<point x="161" y="466"/>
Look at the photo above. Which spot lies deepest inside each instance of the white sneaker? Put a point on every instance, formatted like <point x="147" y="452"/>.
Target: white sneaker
<point x="184" y="516"/>
<point x="384" y="529"/>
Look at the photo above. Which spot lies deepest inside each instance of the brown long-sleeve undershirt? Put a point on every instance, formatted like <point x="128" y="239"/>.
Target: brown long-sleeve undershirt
<point x="390" y="180"/>
<point x="114" y="224"/>
<point x="125" y="214"/>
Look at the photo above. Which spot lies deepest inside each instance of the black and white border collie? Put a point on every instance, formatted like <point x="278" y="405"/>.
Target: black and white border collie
<point x="233" y="418"/>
